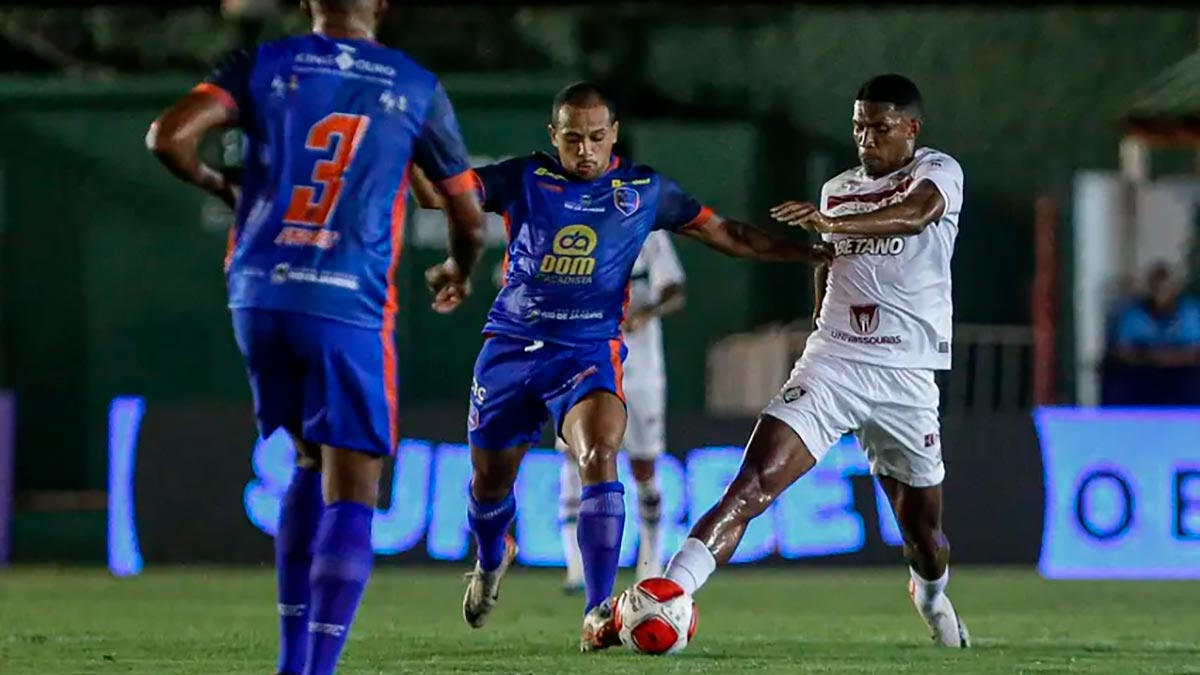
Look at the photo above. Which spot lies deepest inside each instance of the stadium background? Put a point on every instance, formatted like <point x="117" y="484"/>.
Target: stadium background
<point x="112" y="287"/>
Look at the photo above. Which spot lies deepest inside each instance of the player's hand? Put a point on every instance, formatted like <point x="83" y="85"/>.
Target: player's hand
<point x="801" y="214"/>
<point x="634" y="322"/>
<point x="447" y="285"/>
<point x="822" y="253"/>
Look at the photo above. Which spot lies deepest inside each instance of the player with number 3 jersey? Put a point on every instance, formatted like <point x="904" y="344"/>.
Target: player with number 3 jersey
<point x="331" y="122"/>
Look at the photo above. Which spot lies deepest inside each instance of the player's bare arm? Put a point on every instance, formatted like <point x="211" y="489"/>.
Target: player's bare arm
<point x="423" y="190"/>
<point x="743" y="240"/>
<point x="820" y="279"/>
<point x="175" y="136"/>
<point x="670" y="300"/>
<point x="450" y="281"/>
<point x="923" y="205"/>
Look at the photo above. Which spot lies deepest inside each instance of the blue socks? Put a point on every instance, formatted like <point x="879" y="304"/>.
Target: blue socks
<point x="601" y="523"/>
<point x="342" y="560"/>
<point x="298" y="517"/>
<point x="489" y="522"/>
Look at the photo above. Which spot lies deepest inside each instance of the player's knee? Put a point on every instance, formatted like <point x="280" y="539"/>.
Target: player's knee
<point x="598" y="454"/>
<point x="926" y="547"/>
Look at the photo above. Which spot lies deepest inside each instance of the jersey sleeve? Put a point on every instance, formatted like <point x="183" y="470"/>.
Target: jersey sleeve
<point x="229" y="82"/>
<point x="678" y="210"/>
<point x="439" y="149"/>
<point x="664" y="267"/>
<point x="946" y="175"/>
<point x="499" y="184"/>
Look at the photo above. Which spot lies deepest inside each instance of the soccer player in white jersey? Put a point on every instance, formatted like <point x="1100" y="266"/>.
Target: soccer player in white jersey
<point x="656" y="289"/>
<point x="883" y="328"/>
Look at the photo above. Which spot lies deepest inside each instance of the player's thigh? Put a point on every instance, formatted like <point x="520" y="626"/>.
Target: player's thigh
<point x="819" y="403"/>
<point x="645" y="432"/>
<point x="585" y="395"/>
<point x="275" y="373"/>
<point x="902" y="437"/>
<point x="350" y="386"/>
<point x="503" y="412"/>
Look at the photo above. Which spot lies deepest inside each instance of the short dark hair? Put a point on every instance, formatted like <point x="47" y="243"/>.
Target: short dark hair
<point x="892" y="88"/>
<point x="582" y="95"/>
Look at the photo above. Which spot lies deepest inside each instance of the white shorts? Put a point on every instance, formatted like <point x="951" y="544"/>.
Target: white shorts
<point x="892" y="411"/>
<point x="645" y="430"/>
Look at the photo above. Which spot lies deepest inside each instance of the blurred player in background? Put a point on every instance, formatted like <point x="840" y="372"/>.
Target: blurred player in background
<point x="576" y="223"/>
<point x="332" y="121"/>
<point x="656" y="290"/>
<point x="884" y="327"/>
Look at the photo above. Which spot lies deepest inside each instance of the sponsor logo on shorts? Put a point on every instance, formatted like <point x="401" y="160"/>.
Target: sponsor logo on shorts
<point x="478" y="393"/>
<point x="864" y="319"/>
<point x="793" y="394"/>
<point x="931" y="440"/>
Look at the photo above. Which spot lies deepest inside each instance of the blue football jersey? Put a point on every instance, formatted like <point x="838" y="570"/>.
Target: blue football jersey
<point x="330" y="126"/>
<point x="572" y="243"/>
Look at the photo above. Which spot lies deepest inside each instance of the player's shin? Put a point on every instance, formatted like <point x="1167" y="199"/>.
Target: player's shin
<point x="650" y="517"/>
<point x="601" y="523"/>
<point x="342" y="561"/>
<point x="299" y="515"/>
<point x="489" y="523"/>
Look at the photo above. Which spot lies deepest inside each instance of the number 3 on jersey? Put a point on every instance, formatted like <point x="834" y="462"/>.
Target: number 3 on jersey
<point x="342" y="134"/>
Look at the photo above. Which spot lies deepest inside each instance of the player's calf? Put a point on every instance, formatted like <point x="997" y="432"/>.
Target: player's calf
<point x="342" y="553"/>
<point x="775" y="458"/>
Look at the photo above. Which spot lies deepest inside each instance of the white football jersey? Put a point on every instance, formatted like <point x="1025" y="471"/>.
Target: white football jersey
<point x="887" y="301"/>
<point x="657" y="267"/>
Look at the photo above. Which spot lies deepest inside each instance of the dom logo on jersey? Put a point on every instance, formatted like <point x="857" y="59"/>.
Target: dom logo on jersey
<point x="572" y="261"/>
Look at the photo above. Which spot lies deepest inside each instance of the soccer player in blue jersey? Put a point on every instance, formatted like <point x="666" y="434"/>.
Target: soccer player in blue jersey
<point x="331" y="121"/>
<point x="576" y="223"/>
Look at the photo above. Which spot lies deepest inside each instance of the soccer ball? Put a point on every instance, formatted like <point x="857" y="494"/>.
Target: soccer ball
<point x="656" y="616"/>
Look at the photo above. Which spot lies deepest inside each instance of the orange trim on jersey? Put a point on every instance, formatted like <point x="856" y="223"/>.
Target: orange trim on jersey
<point x="479" y="186"/>
<point x="223" y="96"/>
<point x="392" y="305"/>
<point x="618" y="368"/>
<point x="230" y="246"/>
<point x="701" y="218"/>
<point x="456" y="185"/>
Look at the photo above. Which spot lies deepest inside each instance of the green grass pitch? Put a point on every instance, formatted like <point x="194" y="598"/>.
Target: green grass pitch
<point x="221" y="620"/>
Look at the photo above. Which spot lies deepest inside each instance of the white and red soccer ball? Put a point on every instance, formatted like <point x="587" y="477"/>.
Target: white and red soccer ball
<point x="656" y="616"/>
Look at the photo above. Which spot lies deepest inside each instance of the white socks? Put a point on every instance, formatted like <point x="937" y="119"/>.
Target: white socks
<point x="925" y="592"/>
<point x="691" y="566"/>
<point x="649" y="563"/>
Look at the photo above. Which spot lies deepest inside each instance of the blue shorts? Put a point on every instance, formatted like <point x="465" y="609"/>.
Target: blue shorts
<point x="519" y="382"/>
<point x="330" y="382"/>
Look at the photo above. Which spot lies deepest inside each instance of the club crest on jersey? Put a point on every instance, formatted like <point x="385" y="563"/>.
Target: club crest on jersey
<point x="793" y="394"/>
<point x="627" y="200"/>
<point x="864" y="319"/>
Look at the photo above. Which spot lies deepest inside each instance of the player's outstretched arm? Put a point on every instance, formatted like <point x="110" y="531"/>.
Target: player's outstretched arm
<point x="175" y="136"/>
<point x="743" y="240"/>
<point x="923" y="205"/>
